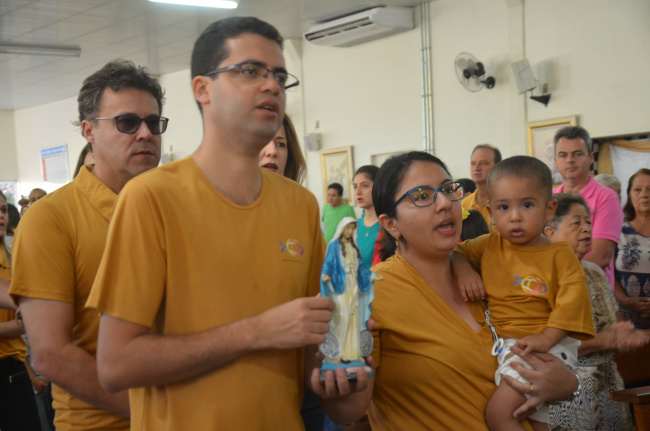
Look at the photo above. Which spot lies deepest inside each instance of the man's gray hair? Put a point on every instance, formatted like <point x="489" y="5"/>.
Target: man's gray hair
<point x="572" y="132"/>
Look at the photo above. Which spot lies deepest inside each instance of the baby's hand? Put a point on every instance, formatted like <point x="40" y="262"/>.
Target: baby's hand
<point x="534" y="343"/>
<point x="471" y="285"/>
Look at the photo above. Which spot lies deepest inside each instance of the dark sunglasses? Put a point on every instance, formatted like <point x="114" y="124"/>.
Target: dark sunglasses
<point x="130" y="123"/>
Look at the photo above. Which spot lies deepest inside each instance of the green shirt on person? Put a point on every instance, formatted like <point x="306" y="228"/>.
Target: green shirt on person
<point x="332" y="217"/>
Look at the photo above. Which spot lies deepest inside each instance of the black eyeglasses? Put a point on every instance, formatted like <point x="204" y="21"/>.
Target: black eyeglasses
<point x="252" y="71"/>
<point x="130" y="123"/>
<point x="425" y="196"/>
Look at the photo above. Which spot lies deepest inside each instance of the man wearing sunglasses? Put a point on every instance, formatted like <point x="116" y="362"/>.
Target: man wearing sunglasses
<point x="207" y="317"/>
<point x="61" y="240"/>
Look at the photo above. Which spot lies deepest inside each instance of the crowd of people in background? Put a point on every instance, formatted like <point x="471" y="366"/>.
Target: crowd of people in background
<point x="120" y="310"/>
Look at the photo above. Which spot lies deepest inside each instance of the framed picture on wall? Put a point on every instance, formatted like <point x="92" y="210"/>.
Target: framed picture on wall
<point x="540" y="140"/>
<point x="337" y="168"/>
<point x="379" y="159"/>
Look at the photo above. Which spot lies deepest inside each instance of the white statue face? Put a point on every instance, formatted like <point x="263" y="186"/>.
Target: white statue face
<point x="347" y="232"/>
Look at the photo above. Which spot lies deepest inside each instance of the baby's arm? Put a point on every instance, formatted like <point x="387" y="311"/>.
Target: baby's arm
<point x="541" y="342"/>
<point x="470" y="283"/>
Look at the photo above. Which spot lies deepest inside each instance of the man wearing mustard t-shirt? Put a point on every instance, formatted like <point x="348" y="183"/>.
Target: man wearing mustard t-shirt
<point x="60" y="242"/>
<point x="484" y="157"/>
<point x="205" y="314"/>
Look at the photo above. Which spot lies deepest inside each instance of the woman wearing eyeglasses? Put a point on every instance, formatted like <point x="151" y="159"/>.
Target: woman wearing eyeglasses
<point x="432" y="350"/>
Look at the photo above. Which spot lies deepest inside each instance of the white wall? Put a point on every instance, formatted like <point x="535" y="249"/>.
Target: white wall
<point x="596" y="57"/>
<point x="8" y="162"/>
<point x="366" y="96"/>
<point x="463" y="119"/>
<point x="185" y="129"/>
<point x="42" y="127"/>
<point x="593" y="53"/>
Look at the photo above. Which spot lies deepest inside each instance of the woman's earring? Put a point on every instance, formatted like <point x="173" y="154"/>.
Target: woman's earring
<point x="396" y="244"/>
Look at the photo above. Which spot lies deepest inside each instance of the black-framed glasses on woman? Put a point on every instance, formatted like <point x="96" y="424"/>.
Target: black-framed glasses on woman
<point x="425" y="196"/>
<point x="130" y="123"/>
<point x="252" y="71"/>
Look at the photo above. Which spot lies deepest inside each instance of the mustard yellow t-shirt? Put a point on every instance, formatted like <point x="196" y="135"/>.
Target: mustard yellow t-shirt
<point x="56" y="252"/>
<point x="433" y="371"/>
<point x="180" y="259"/>
<point x="469" y="203"/>
<point x="531" y="288"/>
<point x="14" y="347"/>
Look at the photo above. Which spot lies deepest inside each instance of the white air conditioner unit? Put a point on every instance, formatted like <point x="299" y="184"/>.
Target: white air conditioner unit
<point x="362" y="27"/>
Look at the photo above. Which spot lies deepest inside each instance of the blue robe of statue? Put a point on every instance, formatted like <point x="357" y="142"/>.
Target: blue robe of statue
<point x="352" y="293"/>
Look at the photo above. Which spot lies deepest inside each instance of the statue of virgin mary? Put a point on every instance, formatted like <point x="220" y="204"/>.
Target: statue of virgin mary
<point x="350" y="284"/>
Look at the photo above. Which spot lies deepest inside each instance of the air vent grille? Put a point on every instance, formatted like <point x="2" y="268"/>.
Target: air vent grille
<point x="341" y="28"/>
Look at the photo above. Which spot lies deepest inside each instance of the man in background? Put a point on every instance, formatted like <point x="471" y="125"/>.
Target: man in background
<point x="335" y="210"/>
<point x="35" y="195"/>
<point x="60" y="242"/>
<point x="484" y="157"/>
<point x="573" y="159"/>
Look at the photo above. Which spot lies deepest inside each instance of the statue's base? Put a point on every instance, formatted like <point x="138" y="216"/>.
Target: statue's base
<point x="350" y="371"/>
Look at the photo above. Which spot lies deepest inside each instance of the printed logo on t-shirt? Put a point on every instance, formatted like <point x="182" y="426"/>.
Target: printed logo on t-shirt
<point x="530" y="284"/>
<point x="292" y="247"/>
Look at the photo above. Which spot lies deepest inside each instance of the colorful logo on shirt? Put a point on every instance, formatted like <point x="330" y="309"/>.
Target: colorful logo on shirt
<point x="293" y="247"/>
<point x="531" y="284"/>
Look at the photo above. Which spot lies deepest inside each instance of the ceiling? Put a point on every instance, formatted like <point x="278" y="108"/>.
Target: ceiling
<point x="156" y="35"/>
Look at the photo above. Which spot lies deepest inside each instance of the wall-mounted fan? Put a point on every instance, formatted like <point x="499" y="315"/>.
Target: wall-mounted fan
<point x="471" y="73"/>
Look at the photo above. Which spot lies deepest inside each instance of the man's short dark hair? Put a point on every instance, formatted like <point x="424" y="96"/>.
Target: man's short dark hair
<point x="210" y="48"/>
<point x="337" y="187"/>
<point x="495" y="150"/>
<point x="116" y="75"/>
<point x="522" y="167"/>
<point x="572" y="132"/>
<point x="469" y="186"/>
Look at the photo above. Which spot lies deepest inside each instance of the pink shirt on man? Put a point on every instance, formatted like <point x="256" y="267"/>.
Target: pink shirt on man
<point x="606" y="215"/>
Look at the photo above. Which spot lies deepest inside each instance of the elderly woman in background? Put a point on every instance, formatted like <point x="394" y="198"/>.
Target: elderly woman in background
<point x="610" y="181"/>
<point x="632" y="258"/>
<point x="593" y="410"/>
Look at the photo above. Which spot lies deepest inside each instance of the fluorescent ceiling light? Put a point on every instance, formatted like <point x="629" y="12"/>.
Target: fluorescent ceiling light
<point x="221" y="4"/>
<point x="58" y="50"/>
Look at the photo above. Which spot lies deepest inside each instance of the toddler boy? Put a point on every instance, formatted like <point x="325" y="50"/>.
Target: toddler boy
<point x="536" y="290"/>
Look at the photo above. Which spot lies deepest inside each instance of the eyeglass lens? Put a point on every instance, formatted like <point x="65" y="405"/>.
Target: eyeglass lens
<point x="254" y="71"/>
<point x="131" y="123"/>
<point x="424" y="197"/>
